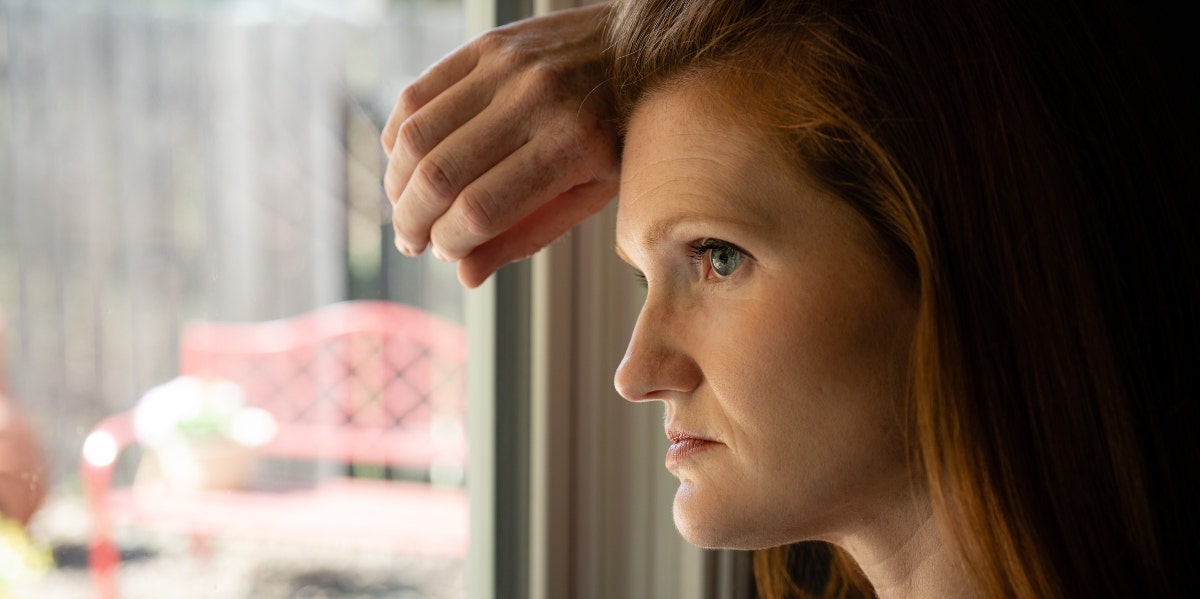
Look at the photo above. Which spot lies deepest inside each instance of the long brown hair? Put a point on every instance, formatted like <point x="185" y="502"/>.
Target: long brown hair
<point x="1028" y="166"/>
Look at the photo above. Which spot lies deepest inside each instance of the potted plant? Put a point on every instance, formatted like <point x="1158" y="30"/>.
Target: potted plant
<point x="199" y="434"/>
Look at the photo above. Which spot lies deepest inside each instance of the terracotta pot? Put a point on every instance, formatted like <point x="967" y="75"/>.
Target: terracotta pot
<point x="209" y="463"/>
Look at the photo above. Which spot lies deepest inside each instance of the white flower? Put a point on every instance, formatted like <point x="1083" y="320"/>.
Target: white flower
<point x="190" y="406"/>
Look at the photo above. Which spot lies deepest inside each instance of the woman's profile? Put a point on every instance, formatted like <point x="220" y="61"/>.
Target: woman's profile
<point x="921" y="282"/>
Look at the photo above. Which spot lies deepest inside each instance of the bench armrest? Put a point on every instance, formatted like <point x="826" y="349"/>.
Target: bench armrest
<point x="101" y="449"/>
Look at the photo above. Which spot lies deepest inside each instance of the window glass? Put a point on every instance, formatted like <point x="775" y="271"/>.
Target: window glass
<point x="219" y="379"/>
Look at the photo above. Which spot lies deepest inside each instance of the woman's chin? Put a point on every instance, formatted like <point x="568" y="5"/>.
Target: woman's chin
<point x="703" y="537"/>
<point x="693" y="521"/>
<point x="711" y="523"/>
<point x="704" y="524"/>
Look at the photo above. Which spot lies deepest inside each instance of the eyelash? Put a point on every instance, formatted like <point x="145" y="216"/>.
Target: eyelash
<point x="701" y="248"/>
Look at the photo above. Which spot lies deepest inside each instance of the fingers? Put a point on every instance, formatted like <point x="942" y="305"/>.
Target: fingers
<point x="532" y="176"/>
<point x="539" y="229"/>
<point x="441" y="176"/>
<point x="432" y="83"/>
<point x="494" y="133"/>
<point x="434" y="123"/>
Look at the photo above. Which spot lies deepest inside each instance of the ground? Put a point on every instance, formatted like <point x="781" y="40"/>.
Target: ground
<point x="157" y="565"/>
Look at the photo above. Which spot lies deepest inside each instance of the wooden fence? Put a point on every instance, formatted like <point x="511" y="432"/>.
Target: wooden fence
<point x="204" y="160"/>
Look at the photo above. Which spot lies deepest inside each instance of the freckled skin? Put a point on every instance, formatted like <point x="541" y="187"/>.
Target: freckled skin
<point x="795" y="363"/>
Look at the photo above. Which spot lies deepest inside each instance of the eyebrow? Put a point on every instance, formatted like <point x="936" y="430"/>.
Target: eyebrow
<point x="657" y="232"/>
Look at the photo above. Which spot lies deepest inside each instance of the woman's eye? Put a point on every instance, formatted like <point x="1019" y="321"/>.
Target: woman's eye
<point x="724" y="260"/>
<point x="722" y="257"/>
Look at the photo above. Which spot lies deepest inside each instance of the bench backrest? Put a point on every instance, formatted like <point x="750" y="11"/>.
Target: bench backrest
<point x="361" y="381"/>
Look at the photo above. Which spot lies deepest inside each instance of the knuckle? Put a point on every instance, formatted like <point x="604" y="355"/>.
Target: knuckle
<point x="535" y="93"/>
<point x="437" y="175"/>
<point x="506" y="46"/>
<point x="542" y="80"/>
<point x="491" y="41"/>
<point x="479" y="211"/>
<point x="415" y="136"/>
<point x="409" y="101"/>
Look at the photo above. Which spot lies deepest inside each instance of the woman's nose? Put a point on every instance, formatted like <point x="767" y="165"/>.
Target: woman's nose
<point x="657" y="363"/>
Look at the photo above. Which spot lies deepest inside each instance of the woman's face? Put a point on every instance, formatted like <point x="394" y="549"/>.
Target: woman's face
<point x="774" y="332"/>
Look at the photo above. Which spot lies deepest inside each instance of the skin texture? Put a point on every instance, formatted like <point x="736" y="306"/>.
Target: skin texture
<point x="793" y="365"/>
<point x="505" y="144"/>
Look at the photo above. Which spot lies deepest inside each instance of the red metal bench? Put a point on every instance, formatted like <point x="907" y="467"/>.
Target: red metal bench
<point x="360" y="382"/>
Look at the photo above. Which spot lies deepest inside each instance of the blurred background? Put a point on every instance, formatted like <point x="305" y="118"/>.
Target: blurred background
<point x="168" y="161"/>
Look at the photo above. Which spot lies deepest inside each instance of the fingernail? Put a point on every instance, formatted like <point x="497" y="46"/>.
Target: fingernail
<point x="406" y="249"/>
<point x="437" y="253"/>
<point x="399" y="243"/>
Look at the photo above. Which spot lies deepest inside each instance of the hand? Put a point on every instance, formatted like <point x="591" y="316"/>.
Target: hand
<point x="505" y="144"/>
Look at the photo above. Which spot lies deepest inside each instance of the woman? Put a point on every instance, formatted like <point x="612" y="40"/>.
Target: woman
<point x="936" y="267"/>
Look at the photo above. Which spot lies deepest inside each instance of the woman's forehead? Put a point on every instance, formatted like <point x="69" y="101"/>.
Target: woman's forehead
<point x="681" y="143"/>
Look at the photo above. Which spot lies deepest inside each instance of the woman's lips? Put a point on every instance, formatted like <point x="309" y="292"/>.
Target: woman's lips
<point x="684" y="446"/>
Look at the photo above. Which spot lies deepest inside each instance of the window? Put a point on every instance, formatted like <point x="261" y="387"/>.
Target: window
<point x="192" y="226"/>
<point x="170" y="167"/>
